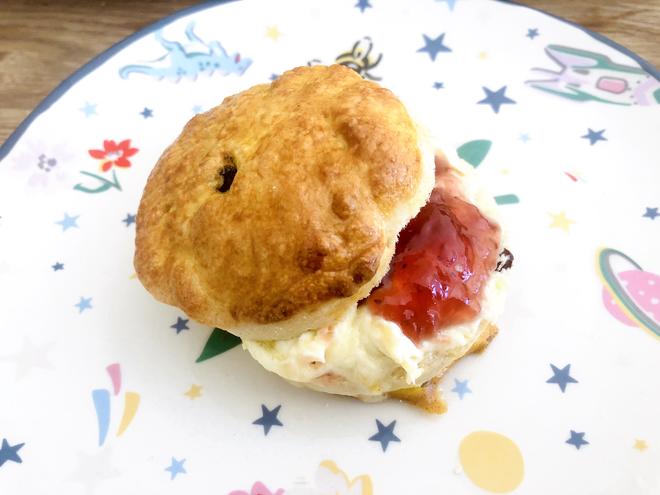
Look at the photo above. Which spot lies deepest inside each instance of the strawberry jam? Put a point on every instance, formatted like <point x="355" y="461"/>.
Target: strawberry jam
<point x="442" y="261"/>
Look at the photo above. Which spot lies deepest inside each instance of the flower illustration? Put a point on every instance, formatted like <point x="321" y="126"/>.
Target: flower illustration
<point x="114" y="154"/>
<point x="43" y="163"/>
<point x="258" y="489"/>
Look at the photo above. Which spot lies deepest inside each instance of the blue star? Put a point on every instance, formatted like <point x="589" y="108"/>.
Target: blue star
<point x="147" y="112"/>
<point x="438" y="85"/>
<point x="129" y="219"/>
<point x="180" y="325"/>
<point x="532" y="33"/>
<point x="197" y="109"/>
<point x="10" y="452"/>
<point x="85" y="303"/>
<point x="363" y="5"/>
<point x="450" y="3"/>
<point x="58" y="266"/>
<point x="577" y="439"/>
<point x="461" y="388"/>
<point x="268" y="418"/>
<point x="88" y="109"/>
<point x="496" y="98"/>
<point x="651" y="213"/>
<point x="176" y="467"/>
<point x="68" y="222"/>
<point x="594" y="136"/>
<point x="385" y="434"/>
<point x="561" y="377"/>
<point x="434" y="46"/>
<point x="524" y="138"/>
<point x="274" y="76"/>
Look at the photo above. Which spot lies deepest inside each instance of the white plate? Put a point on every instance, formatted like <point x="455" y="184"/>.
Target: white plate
<point x="99" y="389"/>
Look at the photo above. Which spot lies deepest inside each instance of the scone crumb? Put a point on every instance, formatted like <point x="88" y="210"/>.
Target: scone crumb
<point x="427" y="397"/>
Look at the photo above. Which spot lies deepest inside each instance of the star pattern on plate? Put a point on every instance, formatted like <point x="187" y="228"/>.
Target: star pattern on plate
<point x="10" y="452"/>
<point x="433" y="46"/>
<point x="577" y="439"/>
<point x="461" y="388"/>
<point x="640" y="445"/>
<point x="175" y="468"/>
<point x="194" y="392"/>
<point x="561" y="221"/>
<point x="273" y="33"/>
<point x="130" y="219"/>
<point x="29" y="357"/>
<point x="83" y="304"/>
<point x="385" y="434"/>
<point x="180" y="325"/>
<point x="496" y="98"/>
<point x="93" y="469"/>
<point x="274" y="77"/>
<point x="561" y="377"/>
<point x="594" y="136"/>
<point x="651" y="213"/>
<point x="450" y="3"/>
<point x="68" y="222"/>
<point x="88" y="109"/>
<point x="363" y="5"/>
<point x="197" y="109"/>
<point x="268" y="418"/>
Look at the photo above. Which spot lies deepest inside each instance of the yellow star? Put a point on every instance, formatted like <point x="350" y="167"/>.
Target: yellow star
<point x="504" y="171"/>
<point x="561" y="221"/>
<point x="483" y="55"/>
<point x="194" y="392"/>
<point x="273" y="33"/>
<point x="640" y="445"/>
<point x="134" y="276"/>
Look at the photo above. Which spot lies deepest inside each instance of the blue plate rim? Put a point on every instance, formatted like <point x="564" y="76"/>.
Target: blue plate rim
<point x="95" y="62"/>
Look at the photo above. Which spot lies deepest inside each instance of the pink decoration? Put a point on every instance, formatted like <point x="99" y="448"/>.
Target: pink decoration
<point x="258" y="489"/>
<point x="643" y="288"/>
<point x="613" y="308"/>
<point x="114" y="370"/>
<point x="612" y="85"/>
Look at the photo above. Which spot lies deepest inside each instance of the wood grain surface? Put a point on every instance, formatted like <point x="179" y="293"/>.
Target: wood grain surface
<point x="43" y="42"/>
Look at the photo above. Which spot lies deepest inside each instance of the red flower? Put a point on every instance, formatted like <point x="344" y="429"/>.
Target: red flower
<point x="114" y="154"/>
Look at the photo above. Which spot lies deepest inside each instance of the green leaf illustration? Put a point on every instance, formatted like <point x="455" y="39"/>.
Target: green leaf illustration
<point x="474" y="152"/>
<point x="219" y="341"/>
<point x="507" y="199"/>
<point x="104" y="186"/>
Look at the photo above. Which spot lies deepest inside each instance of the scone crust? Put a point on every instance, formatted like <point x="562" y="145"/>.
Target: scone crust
<point x="328" y="171"/>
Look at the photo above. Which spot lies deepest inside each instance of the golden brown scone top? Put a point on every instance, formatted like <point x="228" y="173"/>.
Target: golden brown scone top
<point x="324" y="161"/>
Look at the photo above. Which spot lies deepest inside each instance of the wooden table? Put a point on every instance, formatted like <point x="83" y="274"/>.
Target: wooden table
<point x="42" y="42"/>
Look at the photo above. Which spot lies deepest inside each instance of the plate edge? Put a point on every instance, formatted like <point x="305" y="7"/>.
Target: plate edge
<point x="85" y="69"/>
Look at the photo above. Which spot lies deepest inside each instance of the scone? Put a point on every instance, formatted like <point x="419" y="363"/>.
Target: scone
<point x="312" y="218"/>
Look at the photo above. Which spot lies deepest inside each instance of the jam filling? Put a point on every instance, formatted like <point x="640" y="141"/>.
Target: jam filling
<point x="442" y="261"/>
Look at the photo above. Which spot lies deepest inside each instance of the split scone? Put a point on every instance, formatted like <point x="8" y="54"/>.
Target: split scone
<point x="313" y="219"/>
